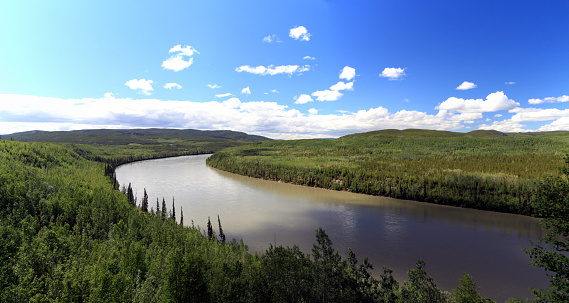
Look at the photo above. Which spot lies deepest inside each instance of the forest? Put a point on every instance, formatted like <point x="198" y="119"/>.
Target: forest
<point x="485" y="170"/>
<point x="68" y="234"/>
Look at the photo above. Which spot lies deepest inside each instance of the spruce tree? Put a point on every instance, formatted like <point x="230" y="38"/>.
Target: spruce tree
<point x="144" y="205"/>
<point x="221" y="234"/>
<point x="209" y="229"/>
<point x="173" y="210"/>
<point x="164" y="211"/>
<point x="130" y="195"/>
<point x="157" y="206"/>
<point x="181" y="216"/>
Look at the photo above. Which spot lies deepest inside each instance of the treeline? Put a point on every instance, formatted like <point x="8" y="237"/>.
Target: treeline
<point x="66" y="234"/>
<point x="499" y="174"/>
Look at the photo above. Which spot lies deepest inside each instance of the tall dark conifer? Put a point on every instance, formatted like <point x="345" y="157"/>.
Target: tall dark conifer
<point x="181" y="216"/>
<point x="164" y="211"/>
<point x="144" y="205"/>
<point x="209" y="229"/>
<point x="173" y="210"/>
<point x="157" y="206"/>
<point x="221" y="234"/>
<point x="130" y="195"/>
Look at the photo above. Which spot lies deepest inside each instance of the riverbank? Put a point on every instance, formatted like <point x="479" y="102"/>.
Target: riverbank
<point x="487" y="171"/>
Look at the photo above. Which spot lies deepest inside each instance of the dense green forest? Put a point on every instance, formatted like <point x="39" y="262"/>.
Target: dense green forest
<point x="67" y="234"/>
<point x="481" y="169"/>
<point x="119" y="146"/>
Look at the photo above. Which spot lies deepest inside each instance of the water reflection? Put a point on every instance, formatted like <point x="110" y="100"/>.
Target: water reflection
<point x="391" y="232"/>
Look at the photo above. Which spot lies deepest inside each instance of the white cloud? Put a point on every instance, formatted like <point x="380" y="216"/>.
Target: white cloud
<point x="466" y="85"/>
<point x="172" y="85"/>
<point x="348" y="73"/>
<point x="498" y="115"/>
<point x="393" y="73"/>
<point x="223" y="95"/>
<point x="246" y="90"/>
<point x="109" y="95"/>
<point x="23" y="113"/>
<point x="494" y="102"/>
<point x="271" y="38"/>
<point x="342" y="86"/>
<point x="327" y="95"/>
<point x="302" y="99"/>
<point x="213" y="86"/>
<point x="308" y="58"/>
<point x="313" y="111"/>
<point x="143" y="86"/>
<point x="563" y="98"/>
<point x="538" y="114"/>
<point x="299" y="33"/>
<point x="510" y="83"/>
<point x="274" y="91"/>
<point x="505" y="126"/>
<point x="559" y="124"/>
<point x="273" y="70"/>
<point x="177" y="62"/>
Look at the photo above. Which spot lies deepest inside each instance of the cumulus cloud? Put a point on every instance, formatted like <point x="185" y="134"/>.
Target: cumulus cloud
<point x="466" y="85"/>
<point x="271" y="39"/>
<point x="342" y="86"/>
<point x="142" y="85"/>
<point x="172" y="85"/>
<point x="246" y="90"/>
<point x="299" y="33"/>
<point x="181" y="58"/>
<point x="213" y="86"/>
<point x="559" y="124"/>
<point x="505" y="126"/>
<point x="21" y="113"/>
<point x="348" y="73"/>
<point x="313" y="111"/>
<point x="494" y="102"/>
<point x="393" y="73"/>
<point x="273" y="70"/>
<point x="327" y="95"/>
<point x="302" y="99"/>
<point x="223" y="95"/>
<point x="538" y="114"/>
<point x="274" y="91"/>
<point x="563" y="98"/>
<point x="308" y="58"/>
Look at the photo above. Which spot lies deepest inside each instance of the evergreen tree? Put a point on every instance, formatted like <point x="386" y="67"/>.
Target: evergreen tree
<point x="209" y="229"/>
<point x="130" y="195"/>
<point x="181" y="216"/>
<point x="221" y="234"/>
<point x="164" y="210"/>
<point x="157" y="206"/>
<point x="173" y="210"/>
<point x="145" y="202"/>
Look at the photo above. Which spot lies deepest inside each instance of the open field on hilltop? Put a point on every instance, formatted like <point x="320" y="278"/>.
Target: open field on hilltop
<point x="482" y="169"/>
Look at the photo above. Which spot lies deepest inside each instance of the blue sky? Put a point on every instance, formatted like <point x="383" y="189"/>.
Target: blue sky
<point x="285" y="69"/>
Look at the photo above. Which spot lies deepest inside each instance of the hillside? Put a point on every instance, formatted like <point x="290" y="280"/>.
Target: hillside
<point x="127" y="145"/>
<point x="481" y="169"/>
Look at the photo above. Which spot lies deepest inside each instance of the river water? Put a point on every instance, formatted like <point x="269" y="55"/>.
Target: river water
<point x="390" y="232"/>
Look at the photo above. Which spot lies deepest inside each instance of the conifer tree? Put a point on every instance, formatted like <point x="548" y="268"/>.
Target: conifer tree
<point x="130" y="195"/>
<point x="209" y="229"/>
<point x="164" y="211"/>
<point x="173" y="210"/>
<point x="221" y="234"/>
<point x="181" y="216"/>
<point x="144" y="205"/>
<point x="157" y="206"/>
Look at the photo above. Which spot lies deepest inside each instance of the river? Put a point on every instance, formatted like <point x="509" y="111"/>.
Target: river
<point x="390" y="232"/>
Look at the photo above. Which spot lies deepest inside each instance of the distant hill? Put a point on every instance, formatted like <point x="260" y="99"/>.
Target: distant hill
<point x="423" y="133"/>
<point x="131" y="136"/>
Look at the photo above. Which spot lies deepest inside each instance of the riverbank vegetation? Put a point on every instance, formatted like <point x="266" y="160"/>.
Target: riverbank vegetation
<point x="67" y="234"/>
<point x="481" y="169"/>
